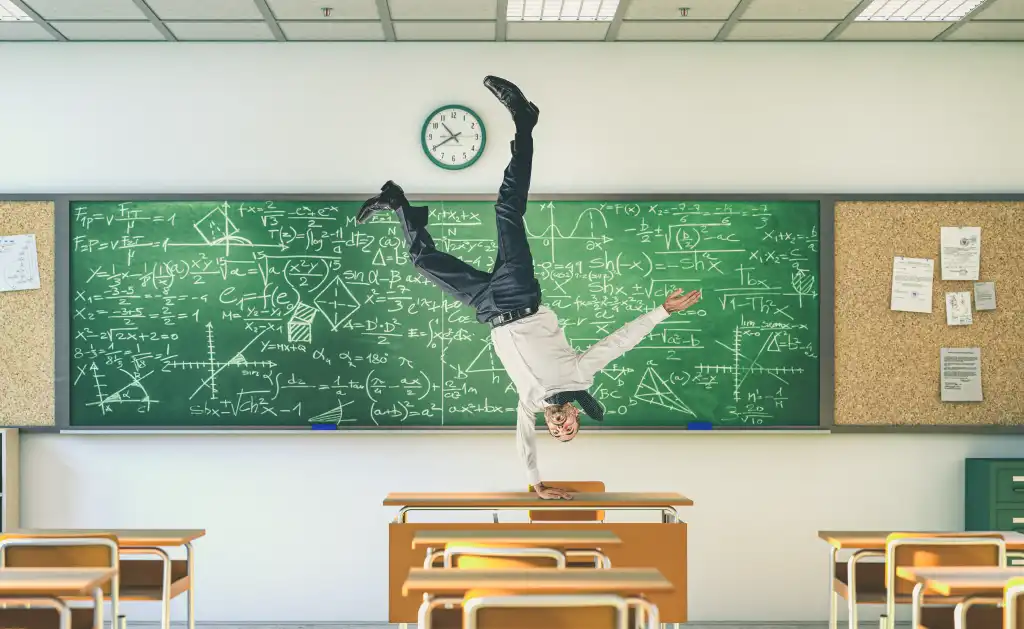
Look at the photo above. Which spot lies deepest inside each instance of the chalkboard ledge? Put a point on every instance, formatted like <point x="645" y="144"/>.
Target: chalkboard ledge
<point x="299" y="430"/>
<point x="936" y="429"/>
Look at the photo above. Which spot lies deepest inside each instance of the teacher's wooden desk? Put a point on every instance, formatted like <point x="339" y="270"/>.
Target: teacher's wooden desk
<point x="660" y="545"/>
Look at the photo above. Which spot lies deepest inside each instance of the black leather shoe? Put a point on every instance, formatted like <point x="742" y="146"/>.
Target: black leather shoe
<point x="391" y="197"/>
<point x="524" y="113"/>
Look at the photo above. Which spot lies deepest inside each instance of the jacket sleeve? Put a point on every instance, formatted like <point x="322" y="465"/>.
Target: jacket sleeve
<point x="620" y="341"/>
<point x="526" y="442"/>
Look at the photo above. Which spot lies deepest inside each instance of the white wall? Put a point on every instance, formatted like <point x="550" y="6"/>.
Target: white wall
<point x="316" y="118"/>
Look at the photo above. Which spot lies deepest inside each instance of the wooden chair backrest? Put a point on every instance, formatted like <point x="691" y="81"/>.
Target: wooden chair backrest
<point x="589" y="486"/>
<point x="491" y="562"/>
<point x="924" y="555"/>
<point x="85" y="555"/>
<point x="546" y="618"/>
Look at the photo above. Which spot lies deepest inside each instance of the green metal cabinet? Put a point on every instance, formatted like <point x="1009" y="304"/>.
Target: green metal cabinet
<point x="994" y="495"/>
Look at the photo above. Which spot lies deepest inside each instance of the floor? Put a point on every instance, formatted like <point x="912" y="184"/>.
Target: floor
<point x="381" y="625"/>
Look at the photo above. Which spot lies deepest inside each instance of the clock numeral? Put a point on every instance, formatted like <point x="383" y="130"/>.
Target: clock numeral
<point x="453" y="159"/>
<point x="472" y="125"/>
<point x="436" y="125"/>
<point x="477" y="137"/>
<point x="464" y="156"/>
<point x="430" y="136"/>
<point x="473" y="148"/>
<point x="442" y="155"/>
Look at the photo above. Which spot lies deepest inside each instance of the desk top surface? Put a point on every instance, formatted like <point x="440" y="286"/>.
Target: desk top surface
<point x="449" y="581"/>
<point x="438" y="539"/>
<point x="529" y="500"/>
<point x="53" y="581"/>
<point x="961" y="581"/>
<point x="125" y="537"/>
<point x="875" y="540"/>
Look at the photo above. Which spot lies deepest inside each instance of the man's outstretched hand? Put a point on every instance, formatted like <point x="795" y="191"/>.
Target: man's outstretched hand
<point x="552" y="493"/>
<point x="677" y="301"/>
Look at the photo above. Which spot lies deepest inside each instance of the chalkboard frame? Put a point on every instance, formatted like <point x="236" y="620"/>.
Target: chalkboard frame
<point x="62" y="310"/>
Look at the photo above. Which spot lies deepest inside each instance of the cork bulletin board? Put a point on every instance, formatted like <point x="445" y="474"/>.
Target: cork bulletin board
<point x="26" y="321"/>
<point x="887" y="363"/>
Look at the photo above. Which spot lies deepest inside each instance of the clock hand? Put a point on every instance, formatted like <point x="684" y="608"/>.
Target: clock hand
<point x="450" y="138"/>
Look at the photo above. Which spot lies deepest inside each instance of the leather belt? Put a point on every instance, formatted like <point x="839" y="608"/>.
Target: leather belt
<point x="512" y="315"/>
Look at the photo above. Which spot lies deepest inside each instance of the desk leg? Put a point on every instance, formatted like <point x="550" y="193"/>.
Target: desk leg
<point x="190" y="560"/>
<point x="97" y="603"/>
<point x="833" y="598"/>
<point x="915" y="609"/>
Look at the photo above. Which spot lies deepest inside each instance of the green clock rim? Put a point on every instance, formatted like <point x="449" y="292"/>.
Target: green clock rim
<point x="439" y="163"/>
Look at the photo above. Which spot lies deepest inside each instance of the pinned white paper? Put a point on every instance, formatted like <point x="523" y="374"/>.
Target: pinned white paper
<point x="19" y="264"/>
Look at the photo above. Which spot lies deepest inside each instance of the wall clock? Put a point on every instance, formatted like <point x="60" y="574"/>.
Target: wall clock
<point x="453" y="137"/>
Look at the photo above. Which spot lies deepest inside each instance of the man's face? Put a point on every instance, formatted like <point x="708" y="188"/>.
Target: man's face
<point x="568" y="428"/>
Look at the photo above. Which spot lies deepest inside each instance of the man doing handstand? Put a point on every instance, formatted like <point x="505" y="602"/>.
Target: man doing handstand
<point x="548" y="374"/>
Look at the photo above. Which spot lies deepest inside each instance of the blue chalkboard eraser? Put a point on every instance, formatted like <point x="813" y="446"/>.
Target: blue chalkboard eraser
<point x="324" y="426"/>
<point x="698" y="426"/>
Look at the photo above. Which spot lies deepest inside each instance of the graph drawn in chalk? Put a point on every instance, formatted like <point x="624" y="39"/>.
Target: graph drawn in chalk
<point x="214" y="366"/>
<point x="654" y="390"/>
<point x="334" y="416"/>
<point x="122" y="395"/>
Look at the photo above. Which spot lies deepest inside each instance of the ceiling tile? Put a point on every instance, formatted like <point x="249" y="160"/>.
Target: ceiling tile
<point x="24" y="31"/>
<point x="989" y="30"/>
<point x="556" y="31"/>
<point x="669" y="31"/>
<point x="221" y="31"/>
<point x="799" y="9"/>
<point x="669" y="9"/>
<point x="312" y="9"/>
<point x="443" y="9"/>
<point x="892" y="31"/>
<point x="1002" y="10"/>
<point x="781" y="31"/>
<point x="333" y="31"/>
<point x="205" y="9"/>
<point x="445" y="31"/>
<point x="108" y="31"/>
<point x="86" y="9"/>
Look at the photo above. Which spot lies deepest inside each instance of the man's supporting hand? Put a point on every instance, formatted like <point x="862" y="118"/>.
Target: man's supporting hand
<point x="677" y="301"/>
<point x="551" y="493"/>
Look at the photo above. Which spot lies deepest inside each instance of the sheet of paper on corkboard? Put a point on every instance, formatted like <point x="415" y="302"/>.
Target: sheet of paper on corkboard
<point x="887" y="362"/>
<point x="26" y="324"/>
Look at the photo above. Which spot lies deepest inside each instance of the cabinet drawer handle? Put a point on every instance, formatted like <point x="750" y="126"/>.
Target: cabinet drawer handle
<point x="1018" y="479"/>
<point x="1018" y="520"/>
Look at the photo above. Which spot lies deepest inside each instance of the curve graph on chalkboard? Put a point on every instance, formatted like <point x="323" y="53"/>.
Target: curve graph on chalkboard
<point x="287" y="313"/>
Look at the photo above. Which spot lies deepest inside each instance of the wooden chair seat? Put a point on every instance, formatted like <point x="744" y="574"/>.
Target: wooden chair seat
<point x="978" y="617"/>
<point x="81" y="618"/>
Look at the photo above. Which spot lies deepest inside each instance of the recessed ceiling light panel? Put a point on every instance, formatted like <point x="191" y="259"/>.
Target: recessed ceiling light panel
<point x="10" y="12"/>
<point x="561" y="10"/>
<point x="917" y="10"/>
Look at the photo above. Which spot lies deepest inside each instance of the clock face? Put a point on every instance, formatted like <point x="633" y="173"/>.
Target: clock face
<point x="453" y="137"/>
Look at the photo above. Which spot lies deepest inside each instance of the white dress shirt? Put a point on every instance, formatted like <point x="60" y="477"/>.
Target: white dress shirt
<point x="540" y="361"/>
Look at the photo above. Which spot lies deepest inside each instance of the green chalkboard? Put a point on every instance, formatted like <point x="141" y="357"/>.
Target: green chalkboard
<point x="286" y="313"/>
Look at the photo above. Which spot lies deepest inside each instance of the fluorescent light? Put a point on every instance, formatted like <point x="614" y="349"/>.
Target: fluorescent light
<point x="561" y="10"/>
<point x="10" y="12"/>
<point x="917" y="10"/>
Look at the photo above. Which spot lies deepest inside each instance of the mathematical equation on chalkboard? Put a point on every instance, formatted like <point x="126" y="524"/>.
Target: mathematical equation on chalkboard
<point x="288" y="313"/>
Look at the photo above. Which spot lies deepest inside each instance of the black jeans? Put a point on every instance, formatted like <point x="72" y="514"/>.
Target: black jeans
<point x="511" y="284"/>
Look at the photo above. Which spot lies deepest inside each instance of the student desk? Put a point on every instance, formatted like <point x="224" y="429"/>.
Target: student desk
<point x="45" y="586"/>
<point x="875" y="540"/>
<point x="660" y="545"/>
<point x="965" y="585"/>
<point x="139" y="578"/>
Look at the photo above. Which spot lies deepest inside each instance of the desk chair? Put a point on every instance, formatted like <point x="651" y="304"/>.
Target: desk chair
<point x="78" y="551"/>
<point x="877" y="584"/>
<point x="497" y="610"/>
